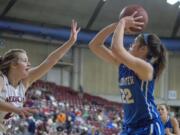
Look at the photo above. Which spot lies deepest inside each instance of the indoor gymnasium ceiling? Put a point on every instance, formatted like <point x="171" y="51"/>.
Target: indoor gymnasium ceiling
<point x="90" y="14"/>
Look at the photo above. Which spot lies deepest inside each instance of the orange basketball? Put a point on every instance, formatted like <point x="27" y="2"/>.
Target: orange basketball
<point x="129" y="10"/>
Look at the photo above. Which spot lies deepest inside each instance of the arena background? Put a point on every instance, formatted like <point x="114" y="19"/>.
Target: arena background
<point x="40" y="26"/>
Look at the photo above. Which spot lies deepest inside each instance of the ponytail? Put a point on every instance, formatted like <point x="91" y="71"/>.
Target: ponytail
<point x="156" y="52"/>
<point x="1" y="61"/>
<point x="161" y="61"/>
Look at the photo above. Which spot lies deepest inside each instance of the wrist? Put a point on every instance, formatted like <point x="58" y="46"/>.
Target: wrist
<point x="17" y="110"/>
<point x="70" y="42"/>
<point x="122" y="21"/>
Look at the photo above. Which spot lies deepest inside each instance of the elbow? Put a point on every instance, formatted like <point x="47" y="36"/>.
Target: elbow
<point x="149" y="76"/>
<point x="146" y="77"/>
<point x="150" y="73"/>
<point x="91" y="45"/>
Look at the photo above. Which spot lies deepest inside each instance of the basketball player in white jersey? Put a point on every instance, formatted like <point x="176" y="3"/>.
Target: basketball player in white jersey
<point x="17" y="76"/>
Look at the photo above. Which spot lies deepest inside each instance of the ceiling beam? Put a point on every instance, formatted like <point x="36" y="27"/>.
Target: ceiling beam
<point x="176" y="25"/>
<point x="8" y="7"/>
<point x="95" y="13"/>
<point x="32" y="22"/>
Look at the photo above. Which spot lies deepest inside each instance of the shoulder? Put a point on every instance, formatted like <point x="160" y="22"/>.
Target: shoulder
<point x="123" y="67"/>
<point x="22" y="87"/>
<point x="1" y="82"/>
<point x="174" y="121"/>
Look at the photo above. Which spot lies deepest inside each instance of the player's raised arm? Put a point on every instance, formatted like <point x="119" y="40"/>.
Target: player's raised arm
<point x="37" y="72"/>
<point x="97" y="44"/>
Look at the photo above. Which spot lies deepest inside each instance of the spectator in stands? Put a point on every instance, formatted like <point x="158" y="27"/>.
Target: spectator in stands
<point x="31" y="125"/>
<point x="81" y="92"/>
<point x="61" y="117"/>
<point x="17" y="76"/>
<point x="138" y="69"/>
<point x="171" y="124"/>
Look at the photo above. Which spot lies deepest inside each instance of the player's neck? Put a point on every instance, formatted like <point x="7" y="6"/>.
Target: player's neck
<point x="164" y="119"/>
<point x="13" y="79"/>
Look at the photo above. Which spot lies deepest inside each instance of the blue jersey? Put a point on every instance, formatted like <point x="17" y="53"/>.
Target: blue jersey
<point x="137" y="97"/>
<point x="168" y="124"/>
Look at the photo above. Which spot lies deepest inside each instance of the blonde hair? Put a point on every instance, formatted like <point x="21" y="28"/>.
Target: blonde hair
<point x="8" y="58"/>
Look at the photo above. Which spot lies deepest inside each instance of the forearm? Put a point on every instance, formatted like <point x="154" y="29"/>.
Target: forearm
<point x="97" y="44"/>
<point x="56" y="55"/>
<point x="40" y="70"/>
<point x="6" y="107"/>
<point x="103" y="34"/>
<point x="170" y="134"/>
<point x="117" y="40"/>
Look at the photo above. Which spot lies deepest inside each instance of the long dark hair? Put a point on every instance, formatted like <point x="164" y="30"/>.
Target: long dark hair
<point x="156" y="52"/>
<point x="9" y="57"/>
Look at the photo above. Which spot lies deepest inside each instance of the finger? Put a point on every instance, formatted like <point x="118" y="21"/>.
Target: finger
<point x="30" y="111"/>
<point x="138" y="27"/>
<point x="78" y="29"/>
<point x="33" y="111"/>
<point x="72" y="24"/>
<point x="22" y="115"/>
<point x="134" y="13"/>
<point x="75" y="24"/>
<point x="138" y="23"/>
<point x="138" y="17"/>
<point x="27" y="113"/>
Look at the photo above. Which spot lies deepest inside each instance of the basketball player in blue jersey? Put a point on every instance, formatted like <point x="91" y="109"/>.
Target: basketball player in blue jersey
<point x="17" y="75"/>
<point x="138" y="69"/>
<point x="171" y="124"/>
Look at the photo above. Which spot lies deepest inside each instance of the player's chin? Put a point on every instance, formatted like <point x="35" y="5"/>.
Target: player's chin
<point x="25" y="74"/>
<point x="131" y="52"/>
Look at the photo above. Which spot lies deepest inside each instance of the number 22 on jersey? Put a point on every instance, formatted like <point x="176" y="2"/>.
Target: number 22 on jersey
<point x="126" y="96"/>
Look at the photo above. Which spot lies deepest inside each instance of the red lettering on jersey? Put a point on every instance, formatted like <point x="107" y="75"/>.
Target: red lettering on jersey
<point x="15" y="99"/>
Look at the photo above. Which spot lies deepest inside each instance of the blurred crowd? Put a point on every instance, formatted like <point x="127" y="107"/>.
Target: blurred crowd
<point x="62" y="111"/>
<point x="62" y="117"/>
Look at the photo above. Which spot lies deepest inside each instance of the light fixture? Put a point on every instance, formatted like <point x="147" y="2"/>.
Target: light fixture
<point x="172" y="2"/>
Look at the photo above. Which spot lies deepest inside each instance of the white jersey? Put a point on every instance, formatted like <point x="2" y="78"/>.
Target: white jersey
<point x="15" y="96"/>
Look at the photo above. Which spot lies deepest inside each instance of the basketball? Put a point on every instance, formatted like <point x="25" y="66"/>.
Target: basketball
<point x="129" y="10"/>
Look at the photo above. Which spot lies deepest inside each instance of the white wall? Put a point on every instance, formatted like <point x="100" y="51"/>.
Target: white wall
<point x="96" y="77"/>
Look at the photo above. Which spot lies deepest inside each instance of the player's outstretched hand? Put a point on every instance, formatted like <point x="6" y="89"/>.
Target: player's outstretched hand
<point x="74" y="31"/>
<point x="25" y="112"/>
<point x="132" y="22"/>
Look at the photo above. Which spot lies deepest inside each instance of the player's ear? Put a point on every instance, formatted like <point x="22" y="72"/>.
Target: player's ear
<point x="144" y="49"/>
<point x="13" y="64"/>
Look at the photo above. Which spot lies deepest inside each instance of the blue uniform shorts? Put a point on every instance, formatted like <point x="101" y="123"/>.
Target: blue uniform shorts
<point x="149" y="127"/>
